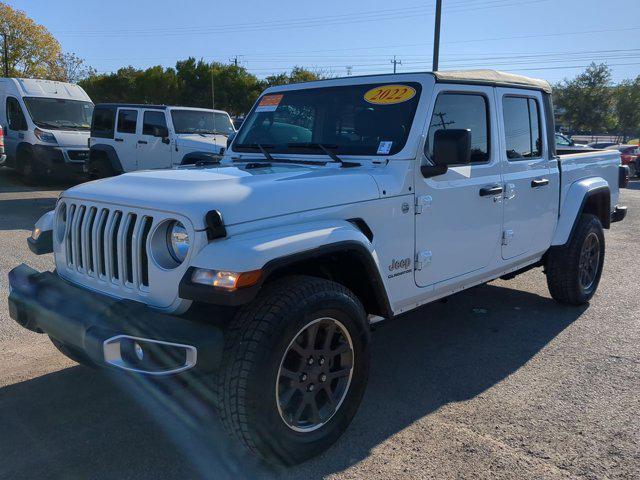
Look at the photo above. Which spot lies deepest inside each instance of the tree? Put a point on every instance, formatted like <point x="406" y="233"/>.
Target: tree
<point x="586" y="102"/>
<point x="297" y="75"/>
<point x="74" y="68"/>
<point x="33" y="51"/>
<point x="627" y="107"/>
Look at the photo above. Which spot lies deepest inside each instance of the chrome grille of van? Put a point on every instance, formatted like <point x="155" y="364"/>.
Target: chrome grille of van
<point x="108" y="244"/>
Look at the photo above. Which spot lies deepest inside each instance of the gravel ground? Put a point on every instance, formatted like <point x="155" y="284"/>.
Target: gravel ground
<point x="498" y="382"/>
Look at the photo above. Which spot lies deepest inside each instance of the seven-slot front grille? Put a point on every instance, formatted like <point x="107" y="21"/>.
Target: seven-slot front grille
<point x="108" y="244"/>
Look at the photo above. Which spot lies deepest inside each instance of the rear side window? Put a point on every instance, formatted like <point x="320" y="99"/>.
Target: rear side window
<point x="103" y="122"/>
<point x="462" y="111"/>
<point x="15" y="115"/>
<point x="151" y="120"/>
<point x="127" y="121"/>
<point x="522" y="128"/>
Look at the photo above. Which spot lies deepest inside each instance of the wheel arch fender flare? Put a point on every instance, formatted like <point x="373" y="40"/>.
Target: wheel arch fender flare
<point x="587" y="194"/>
<point x="110" y="152"/>
<point x="274" y="249"/>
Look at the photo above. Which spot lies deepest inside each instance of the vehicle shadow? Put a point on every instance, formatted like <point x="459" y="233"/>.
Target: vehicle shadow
<point x="23" y="213"/>
<point x="79" y="423"/>
<point x="10" y="181"/>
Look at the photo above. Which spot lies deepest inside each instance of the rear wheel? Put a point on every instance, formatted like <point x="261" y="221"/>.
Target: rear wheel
<point x="295" y="368"/>
<point x="574" y="270"/>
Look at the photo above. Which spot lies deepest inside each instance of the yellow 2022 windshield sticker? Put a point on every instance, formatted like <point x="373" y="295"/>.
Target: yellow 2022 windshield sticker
<point x="390" y="94"/>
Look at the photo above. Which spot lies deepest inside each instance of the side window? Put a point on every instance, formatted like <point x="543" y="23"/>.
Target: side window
<point x="462" y="111"/>
<point x="151" y="120"/>
<point x="15" y="115"/>
<point x="522" y="127"/>
<point x="104" y="120"/>
<point x="560" y="140"/>
<point x="127" y="121"/>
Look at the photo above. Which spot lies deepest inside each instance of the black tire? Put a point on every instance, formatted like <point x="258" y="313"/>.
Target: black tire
<point x="633" y="172"/>
<point x="258" y="342"/>
<point x="100" y="169"/>
<point x="570" y="280"/>
<point x="31" y="172"/>
<point x="72" y="353"/>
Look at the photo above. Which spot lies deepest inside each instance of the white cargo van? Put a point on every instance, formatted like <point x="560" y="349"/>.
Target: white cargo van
<point x="129" y="137"/>
<point x="46" y="125"/>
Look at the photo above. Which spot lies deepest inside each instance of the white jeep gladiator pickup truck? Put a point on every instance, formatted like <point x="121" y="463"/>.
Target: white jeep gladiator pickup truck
<point x="339" y="203"/>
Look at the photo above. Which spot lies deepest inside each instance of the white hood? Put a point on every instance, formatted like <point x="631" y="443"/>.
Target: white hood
<point x="71" y="138"/>
<point x="203" y="143"/>
<point x="240" y="195"/>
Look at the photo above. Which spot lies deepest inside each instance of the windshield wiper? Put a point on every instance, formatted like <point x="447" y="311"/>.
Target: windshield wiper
<point x="263" y="149"/>
<point x="48" y="125"/>
<point x="327" y="149"/>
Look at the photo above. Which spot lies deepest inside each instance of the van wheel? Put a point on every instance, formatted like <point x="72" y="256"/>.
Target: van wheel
<point x="295" y="367"/>
<point x="30" y="170"/>
<point x="100" y="169"/>
<point x="574" y="270"/>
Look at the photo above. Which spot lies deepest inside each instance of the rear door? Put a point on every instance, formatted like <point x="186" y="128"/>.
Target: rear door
<point x="458" y="229"/>
<point x="529" y="174"/>
<point x="128" y="129"/>
<point x="153" y="152"/>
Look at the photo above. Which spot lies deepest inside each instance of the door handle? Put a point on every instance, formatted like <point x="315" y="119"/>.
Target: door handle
<point x="491" y="191"/>
<point x="142" y="142"/>
<point x="119" y="139"/>
<point x="539" y="182"/>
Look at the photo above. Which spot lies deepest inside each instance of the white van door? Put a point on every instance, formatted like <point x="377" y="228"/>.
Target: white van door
<point x="154" y="145"/>
<point x="15" y="128"/>
<point x="531" y="184"/>
<point x="126" y="138"/>
<point x="460" y="220"/>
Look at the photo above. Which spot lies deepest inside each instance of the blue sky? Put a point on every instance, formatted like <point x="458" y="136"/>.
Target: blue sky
<point x="553" y="39"/>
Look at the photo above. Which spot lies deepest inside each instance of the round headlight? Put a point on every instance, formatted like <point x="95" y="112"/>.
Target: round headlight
<point x="178" y="241"/>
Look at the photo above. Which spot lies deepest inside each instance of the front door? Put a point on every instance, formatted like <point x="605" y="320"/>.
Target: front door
<point x="153" y="152"/>
<point x="16" y="127"/>
<point x="531" y="186"/>
<point x="126" y="138"/>
<point x="459" y="229"/>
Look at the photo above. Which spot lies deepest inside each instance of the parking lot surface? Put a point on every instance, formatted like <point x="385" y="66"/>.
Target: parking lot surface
<point x="498" y="382"/>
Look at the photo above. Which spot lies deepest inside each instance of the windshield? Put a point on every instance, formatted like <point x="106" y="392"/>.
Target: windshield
<point x="58" y="114"/>
<point x="370" y="119"/>
<point x="201" y="121"/>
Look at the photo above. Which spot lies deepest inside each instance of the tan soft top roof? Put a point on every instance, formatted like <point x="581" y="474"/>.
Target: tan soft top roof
<point x="492" y="77"/>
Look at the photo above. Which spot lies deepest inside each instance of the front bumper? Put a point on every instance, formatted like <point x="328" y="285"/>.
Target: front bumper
<point x="93" y="324"/>
<point x="61" y="160"/>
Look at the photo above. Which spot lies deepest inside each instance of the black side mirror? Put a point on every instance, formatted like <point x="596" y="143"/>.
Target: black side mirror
<point x="162" y="132"/>
<point x="230" y="138"/>
<point x="450" y="147"/>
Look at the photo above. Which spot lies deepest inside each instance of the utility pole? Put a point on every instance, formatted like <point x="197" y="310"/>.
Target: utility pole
<point x="436" y="36"/>
<point x="349" y="70"/>
<point x="395" y="63"/>
<point x="234" y="60"/>
<point x="5" y="48"/>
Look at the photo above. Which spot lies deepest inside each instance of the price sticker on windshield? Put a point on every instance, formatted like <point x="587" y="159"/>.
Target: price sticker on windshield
<point x="269" y="103"/>
<point x="390" y="94"/>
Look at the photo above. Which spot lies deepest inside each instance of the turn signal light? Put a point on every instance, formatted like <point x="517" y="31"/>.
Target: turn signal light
<point x="225" y="280"/>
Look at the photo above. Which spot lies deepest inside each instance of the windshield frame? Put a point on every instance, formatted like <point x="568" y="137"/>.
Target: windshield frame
<point x="50" y="126"/>
<point x="207" y="132"/>
<point x="371" y="83"/>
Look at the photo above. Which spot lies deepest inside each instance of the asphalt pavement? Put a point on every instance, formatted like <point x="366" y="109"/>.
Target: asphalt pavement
<point x="497" y="382"/>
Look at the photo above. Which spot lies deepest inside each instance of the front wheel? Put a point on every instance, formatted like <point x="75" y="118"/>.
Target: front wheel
<point x="295" y="368"/>
<point x="574" y="270"/>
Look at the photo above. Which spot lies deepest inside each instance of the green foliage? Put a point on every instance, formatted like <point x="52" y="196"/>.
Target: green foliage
<point x="189" y="84"/>
<point x="627" y="107"/>
<point x="586" y="102"/>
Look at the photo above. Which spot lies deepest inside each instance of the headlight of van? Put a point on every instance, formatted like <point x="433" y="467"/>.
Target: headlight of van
<point x="178" y="241"/>
<point x="45" y="137"/>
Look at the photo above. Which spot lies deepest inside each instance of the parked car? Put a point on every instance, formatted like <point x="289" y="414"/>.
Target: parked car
<point x="565" y="145"/>
<point x="127" y="137"/>
<point x="46" y="127"/>
<point x="340" y="203"/>
<point x="630" y="156"/>
<point x="237" y="122"/>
